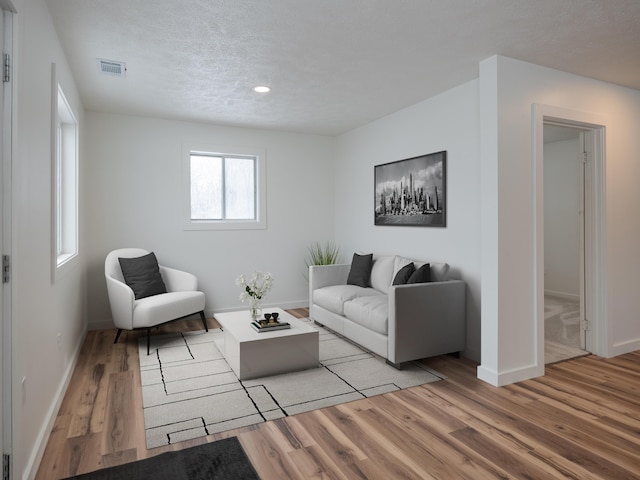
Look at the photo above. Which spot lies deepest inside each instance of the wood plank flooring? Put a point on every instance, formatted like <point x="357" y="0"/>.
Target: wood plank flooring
<point x="581" y="421"/>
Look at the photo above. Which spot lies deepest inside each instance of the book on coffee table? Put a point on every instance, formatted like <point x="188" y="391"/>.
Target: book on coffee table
<point x="270" y="327"/>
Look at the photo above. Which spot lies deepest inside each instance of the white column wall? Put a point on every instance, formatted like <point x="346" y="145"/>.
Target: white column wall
<point x="509" y="346"/>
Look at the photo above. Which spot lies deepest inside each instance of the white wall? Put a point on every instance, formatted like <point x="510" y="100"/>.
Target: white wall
<point x="41" y="309"/>
<point x="562" y="176"/>
<point x="446" y="122"/>
<point x="134" y="198"/>
<point x="510" y="336"/>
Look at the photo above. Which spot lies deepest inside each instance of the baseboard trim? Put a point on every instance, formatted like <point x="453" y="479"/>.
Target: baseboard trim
<point x="569" y="296"/>
<point x="621" y="348"/>
<point x="33" y="463"/>
<point x="500" y="379"/>
<point x="107" y="324"/>
<point x="265" y="307"/>
<point x="103" y="325"/>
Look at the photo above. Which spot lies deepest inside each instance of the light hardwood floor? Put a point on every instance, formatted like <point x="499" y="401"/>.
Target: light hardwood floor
<point x="581" y="421"/>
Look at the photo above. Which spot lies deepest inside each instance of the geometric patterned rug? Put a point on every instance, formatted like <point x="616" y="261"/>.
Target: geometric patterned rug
<point x="190" y="391"/>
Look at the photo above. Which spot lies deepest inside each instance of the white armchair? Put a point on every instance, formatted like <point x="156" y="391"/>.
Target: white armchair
<point x="181" y="300"/>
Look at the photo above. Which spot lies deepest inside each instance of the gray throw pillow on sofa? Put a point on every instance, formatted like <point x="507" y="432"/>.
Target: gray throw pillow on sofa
<point x="360" y="272"/>
<point x="142" y="274"/>
<point x="404" y="274"/>
<point x="421" y="275"/>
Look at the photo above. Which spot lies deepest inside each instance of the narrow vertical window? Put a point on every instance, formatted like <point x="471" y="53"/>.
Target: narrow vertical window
<point x="65" y="182"/>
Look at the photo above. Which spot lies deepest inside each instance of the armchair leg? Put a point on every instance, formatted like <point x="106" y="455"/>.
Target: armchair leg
<point x="117" y="335"/>
<point x="148" y="339"/>
<point x="204" y="321"/>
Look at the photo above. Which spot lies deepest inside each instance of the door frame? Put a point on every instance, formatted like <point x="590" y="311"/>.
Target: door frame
<point x="6" y="233"/>
<point x="594" y="222"/>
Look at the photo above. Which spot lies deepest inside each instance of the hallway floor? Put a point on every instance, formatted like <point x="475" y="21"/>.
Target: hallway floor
<point x="561" y="329"/>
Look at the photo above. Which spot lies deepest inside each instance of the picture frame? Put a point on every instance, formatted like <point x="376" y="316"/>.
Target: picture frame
<point x="412" y="191"/>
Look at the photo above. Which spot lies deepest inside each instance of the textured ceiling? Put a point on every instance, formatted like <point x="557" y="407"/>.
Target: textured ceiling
<point x="333" y="65"/>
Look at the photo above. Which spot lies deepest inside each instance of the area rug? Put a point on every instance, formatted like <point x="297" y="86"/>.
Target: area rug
<point x="221" y="460"/>
<point x="189" y="390"/>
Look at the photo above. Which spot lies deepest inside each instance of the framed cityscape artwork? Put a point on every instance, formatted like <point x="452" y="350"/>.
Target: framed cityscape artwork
<point x="412" y="192"/>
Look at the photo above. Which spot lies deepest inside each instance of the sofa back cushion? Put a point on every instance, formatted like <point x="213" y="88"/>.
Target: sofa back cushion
<point x="439" y="271"/>
<point x="381" y="272"/>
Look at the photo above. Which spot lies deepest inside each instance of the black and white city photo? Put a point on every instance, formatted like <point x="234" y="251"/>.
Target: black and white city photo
<point x="412" y="191"/>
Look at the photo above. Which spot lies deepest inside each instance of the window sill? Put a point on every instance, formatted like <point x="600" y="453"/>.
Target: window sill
<point x="225" y="225"/>
<point x="64" y="264"/>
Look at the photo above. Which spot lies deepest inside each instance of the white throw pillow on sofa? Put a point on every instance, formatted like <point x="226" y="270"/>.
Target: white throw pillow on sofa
<point x="381" y="271"/>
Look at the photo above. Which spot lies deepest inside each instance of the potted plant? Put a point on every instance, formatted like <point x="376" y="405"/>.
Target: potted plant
<point x="327" y="253"/>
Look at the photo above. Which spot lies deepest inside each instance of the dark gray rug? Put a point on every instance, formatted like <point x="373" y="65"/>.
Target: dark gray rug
<point x="221" y="460"/>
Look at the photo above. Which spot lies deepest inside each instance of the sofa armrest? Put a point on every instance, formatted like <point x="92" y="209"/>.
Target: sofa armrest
<point x="426" y="319"/>
<point x="326" y="275"/>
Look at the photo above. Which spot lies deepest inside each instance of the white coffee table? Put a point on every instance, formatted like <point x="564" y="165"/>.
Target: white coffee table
<point x="252" y="354"/>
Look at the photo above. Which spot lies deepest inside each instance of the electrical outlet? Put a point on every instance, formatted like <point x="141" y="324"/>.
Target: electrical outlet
<point x="59" y="341"/>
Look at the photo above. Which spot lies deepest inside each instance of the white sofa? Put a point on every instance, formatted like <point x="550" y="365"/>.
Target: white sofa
<point x="400" y="323"/>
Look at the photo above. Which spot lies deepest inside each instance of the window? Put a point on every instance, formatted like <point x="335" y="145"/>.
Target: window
<point x="224" y="188"/>
<point x="65" y="237"/>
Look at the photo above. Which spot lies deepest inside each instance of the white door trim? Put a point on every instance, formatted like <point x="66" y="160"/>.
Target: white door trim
<point x="595" y="223"/>
<point x="6" y="232"/>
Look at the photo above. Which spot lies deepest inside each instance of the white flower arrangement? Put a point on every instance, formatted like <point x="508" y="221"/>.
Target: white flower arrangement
<point x="256" y="287"/>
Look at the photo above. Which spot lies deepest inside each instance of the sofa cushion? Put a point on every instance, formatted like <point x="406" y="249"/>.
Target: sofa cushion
<point x="404" y="274"/>
<point x="333" y="297"/>
<point x="421" y="275"/>
<point x="381" y="272"/>
<point x="360" y="272"/>
<point x="370" y="312"/>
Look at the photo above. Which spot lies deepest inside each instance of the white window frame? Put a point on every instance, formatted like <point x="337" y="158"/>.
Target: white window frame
<point x="260" y="222"/>
<point x="64" y="153"/>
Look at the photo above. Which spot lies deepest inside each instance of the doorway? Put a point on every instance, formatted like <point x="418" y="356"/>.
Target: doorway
<point x="564" y="209"/>
<point x="592" y="129"/>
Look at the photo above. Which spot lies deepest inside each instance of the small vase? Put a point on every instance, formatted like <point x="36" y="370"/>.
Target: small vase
<point x="255" y="310"/>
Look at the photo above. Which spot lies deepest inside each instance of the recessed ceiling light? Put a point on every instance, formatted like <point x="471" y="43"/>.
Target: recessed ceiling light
<point x="261" y="89"/>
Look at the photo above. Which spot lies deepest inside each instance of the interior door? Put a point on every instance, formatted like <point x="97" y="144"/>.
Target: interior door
<point x="583" y="259"/>
<point x="588" y="140"/>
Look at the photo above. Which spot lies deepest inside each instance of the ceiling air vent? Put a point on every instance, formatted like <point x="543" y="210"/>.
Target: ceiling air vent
<point x="113" y="68"/>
